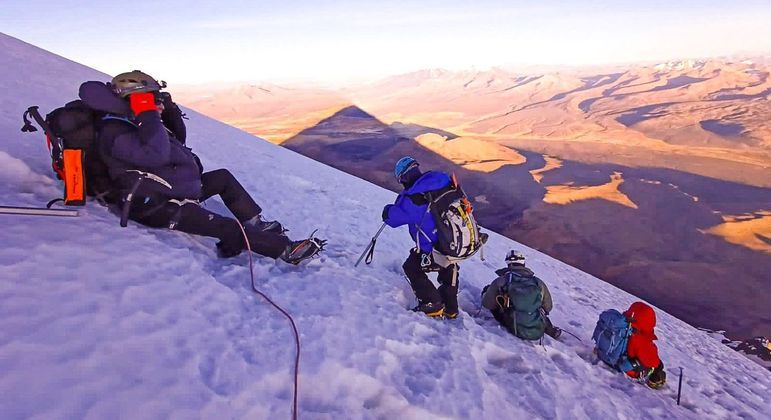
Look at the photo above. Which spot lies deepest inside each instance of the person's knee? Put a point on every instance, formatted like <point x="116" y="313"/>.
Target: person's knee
<point x="412" y="264"/>
<point x="230" y="234"/>
<point x="231" y="239"/>
<point x="225" y="173"/>
<point x="220" y="175"/>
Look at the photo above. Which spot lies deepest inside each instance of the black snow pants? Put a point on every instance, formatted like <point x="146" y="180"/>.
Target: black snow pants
<point x="417" y="265"/>
<point x="194" y="219"/>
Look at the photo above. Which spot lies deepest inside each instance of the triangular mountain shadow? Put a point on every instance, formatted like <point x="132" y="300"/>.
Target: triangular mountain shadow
<point x="350" y="132"/>
<point x="352" y="111"/>
<point x="355" y="135"/>
<point x="348" y="121"/>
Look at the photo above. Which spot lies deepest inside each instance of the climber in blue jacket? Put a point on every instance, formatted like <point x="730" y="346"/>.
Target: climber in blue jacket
<point x="410" y="208"/>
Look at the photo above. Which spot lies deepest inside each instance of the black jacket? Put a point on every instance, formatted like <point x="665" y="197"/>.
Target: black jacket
<point x="143" y="142"/>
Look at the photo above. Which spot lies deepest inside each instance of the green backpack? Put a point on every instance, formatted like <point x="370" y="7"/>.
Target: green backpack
<point x="525" y="302"/>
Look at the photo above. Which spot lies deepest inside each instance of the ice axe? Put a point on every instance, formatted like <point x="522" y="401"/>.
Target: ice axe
<point x="369" y="251"/>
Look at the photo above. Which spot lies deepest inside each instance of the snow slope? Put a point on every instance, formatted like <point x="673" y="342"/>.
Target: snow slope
<point x="103" y="322"/>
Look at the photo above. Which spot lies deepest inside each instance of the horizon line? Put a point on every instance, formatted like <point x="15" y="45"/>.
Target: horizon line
<point x="537" y="69"/>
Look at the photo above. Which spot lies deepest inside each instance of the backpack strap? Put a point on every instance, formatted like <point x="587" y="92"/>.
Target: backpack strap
<point x="512" y="277"/>
<point x="54" y="201"/>
<point x="436" y="195"/>
<point x="624" y="363"/>
<point x="432" y="196"/>
<point x="419" y="199"/>
<point x="427" y="198"/>
<point x="509" y="279"/>
<point x="419" y="231"/>
<point x="111" y="117"/>
<point x="512" y="313"/>
<point x="145" y="184"/>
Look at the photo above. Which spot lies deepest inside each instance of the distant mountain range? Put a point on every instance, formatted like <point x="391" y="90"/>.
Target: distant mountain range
<point x="655" y="178"/>
<point x="757" y="349"/>
<point x="707" y="110"/>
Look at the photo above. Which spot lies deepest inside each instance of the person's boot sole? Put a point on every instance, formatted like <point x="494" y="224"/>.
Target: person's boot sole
<point x="436" y="314"/>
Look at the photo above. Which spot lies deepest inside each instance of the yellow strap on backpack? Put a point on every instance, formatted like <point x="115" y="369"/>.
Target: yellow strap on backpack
<point x="467" y="222"/>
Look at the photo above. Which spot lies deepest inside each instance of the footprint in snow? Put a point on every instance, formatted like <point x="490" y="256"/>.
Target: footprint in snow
<point x="588" y="355"/>
<point x="209" y="374"/>
<point x="511" y="364"/>
<point x="586" y="302"/>
<point x="296" y="181"/>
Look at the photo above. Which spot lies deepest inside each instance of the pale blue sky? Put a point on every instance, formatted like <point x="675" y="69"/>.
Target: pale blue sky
<point x="185" y="41"/>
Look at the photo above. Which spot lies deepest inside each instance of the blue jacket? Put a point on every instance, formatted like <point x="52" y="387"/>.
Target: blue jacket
<point x="411" y="211"/>
<point x="143" y="143"/>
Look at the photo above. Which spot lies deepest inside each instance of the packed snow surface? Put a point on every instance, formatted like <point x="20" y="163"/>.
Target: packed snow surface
<point x="102" y="322"/>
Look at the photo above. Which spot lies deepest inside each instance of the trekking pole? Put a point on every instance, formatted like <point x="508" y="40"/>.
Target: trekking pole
<point x="679" y="386"/>
<point x="369" y="251"/>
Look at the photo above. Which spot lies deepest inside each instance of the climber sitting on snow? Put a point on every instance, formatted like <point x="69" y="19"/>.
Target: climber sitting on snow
<point x="625" y="342"/>
<point x="143" y="133"/>
<point x="520" y="301"/>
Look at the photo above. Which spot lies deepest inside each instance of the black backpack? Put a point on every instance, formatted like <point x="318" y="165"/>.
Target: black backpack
<point x="458" y="236"/>
<point x="71" y="133"/>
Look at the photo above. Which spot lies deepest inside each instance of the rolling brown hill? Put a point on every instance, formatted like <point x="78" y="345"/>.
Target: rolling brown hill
<point x="715" y="113"/>
<point x="655" y="178"/>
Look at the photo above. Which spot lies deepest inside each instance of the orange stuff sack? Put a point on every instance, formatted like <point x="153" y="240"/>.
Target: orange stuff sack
<point x="74" y="177"/>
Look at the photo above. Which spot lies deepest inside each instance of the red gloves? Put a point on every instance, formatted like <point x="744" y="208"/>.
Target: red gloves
<point x="141" y="102"/>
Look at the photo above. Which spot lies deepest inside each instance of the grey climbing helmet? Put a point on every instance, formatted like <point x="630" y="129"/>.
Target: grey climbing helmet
<point x="135" y="81"/>
<point x="514" y="257"/>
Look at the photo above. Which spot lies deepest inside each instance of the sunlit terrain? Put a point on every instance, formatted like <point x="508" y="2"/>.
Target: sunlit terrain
<point x="566" y="194"/>
<point x="649" y="176"/>
<point x="751" y="230"/>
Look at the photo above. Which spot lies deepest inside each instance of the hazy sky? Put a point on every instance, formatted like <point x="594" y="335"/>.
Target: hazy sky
<point x="187" y="41"/>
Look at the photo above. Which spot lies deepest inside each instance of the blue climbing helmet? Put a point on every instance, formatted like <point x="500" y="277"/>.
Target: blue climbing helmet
<point x="403" y="165"/>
